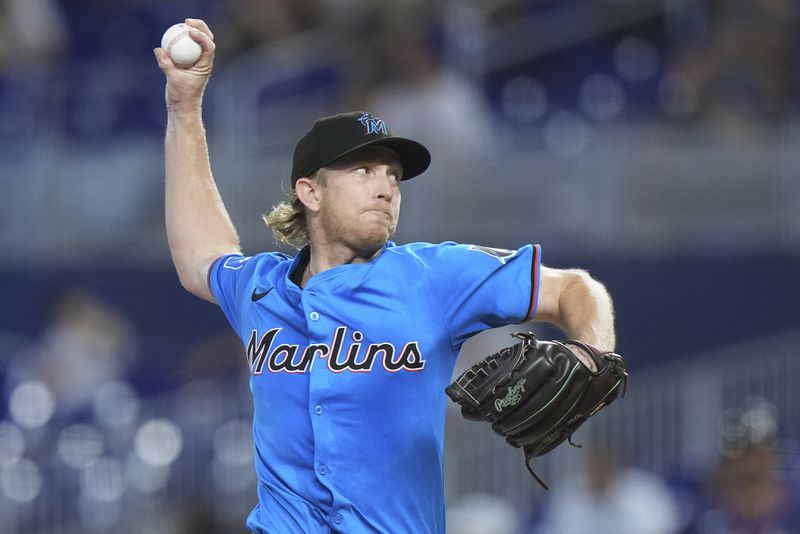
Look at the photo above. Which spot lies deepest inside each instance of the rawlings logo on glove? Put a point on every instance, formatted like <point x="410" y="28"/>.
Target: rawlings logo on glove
<point x="513" y="396"/>
<point x="536" y="393"/>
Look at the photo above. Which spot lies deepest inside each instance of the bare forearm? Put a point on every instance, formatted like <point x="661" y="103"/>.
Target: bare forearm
<point x="586" y="311"/>
<point x="198" y="225"/>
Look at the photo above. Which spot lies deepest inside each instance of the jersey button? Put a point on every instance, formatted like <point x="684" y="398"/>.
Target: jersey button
<point x="318" y="409"/>
<point x="338" y="519"/>
<point x="313" y="316"/>
<point x="323" y="470"/>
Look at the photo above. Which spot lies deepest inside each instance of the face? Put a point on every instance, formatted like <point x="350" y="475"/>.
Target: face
<point x="359" y="199"/>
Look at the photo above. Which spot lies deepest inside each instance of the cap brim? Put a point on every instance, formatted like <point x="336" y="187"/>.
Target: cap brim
<point x="414" y="157"/>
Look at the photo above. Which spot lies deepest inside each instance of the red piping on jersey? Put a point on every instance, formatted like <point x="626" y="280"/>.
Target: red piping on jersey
<point x="211" y="268"/>
<point x="534" y="284"/>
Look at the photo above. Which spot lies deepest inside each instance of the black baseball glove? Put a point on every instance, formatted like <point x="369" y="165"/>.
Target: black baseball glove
<point x="537" y="393"/>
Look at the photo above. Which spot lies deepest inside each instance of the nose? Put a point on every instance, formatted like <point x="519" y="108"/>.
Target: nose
<point x="386" y="185"/>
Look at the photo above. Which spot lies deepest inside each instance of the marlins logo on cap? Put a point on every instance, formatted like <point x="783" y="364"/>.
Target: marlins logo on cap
<point x="373" y="124"/>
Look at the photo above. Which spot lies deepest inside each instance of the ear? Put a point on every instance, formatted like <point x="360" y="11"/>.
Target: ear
<point x="308" y="192"/>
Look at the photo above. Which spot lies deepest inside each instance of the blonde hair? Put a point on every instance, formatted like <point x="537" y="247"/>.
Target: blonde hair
<point x="287" y="219"/>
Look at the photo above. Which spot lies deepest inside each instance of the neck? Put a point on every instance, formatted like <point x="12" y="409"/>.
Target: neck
<point x="326" y="256"/>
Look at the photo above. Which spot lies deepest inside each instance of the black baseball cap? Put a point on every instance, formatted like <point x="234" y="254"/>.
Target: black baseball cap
<point x="333" y="137"/>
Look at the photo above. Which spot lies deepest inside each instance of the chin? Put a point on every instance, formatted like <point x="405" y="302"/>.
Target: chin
<point x="374" y="238"/>
<point x="375" y="242"/>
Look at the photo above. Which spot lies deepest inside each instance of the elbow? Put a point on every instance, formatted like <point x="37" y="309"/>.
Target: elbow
<point x="197" y="286"/>
<point x="578" y="280"/>
<point x="189" y="282"/>
<point x="563" y="288"/>
<point x="577" y="304"/>
<point x="582" y="292"/>
<point x="191" y="276"/>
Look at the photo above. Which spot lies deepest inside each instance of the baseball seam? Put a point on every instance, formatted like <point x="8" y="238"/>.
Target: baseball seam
<point x="175" y="39"/>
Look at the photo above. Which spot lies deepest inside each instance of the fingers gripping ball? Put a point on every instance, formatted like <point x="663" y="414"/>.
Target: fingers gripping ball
<point x="180" y="47"/>
<point x="537" y="393"/>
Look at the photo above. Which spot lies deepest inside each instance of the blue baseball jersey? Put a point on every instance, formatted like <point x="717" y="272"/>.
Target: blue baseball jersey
<point x="348" y="376"/>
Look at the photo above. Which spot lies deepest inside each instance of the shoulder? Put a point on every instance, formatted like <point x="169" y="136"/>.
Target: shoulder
<point x="420" y="253"/>
<point x="420" y="250"/>
<point x="414" y="249"/>
<point x="450" y="251"/>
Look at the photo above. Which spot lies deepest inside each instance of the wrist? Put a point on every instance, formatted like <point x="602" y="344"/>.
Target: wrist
<point x="185" y="108"/>
<point x="185" y="120"/>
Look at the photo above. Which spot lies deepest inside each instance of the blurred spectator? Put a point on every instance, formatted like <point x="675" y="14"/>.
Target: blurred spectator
<point x="746" y="493"/>
<point x="747" y="496"/>
<point x="609" y="498"/>
<point x="742" y="61"/>
<point x="250" y="25"/>
<point x="85" y="345"/>
<point x="31" y="32"/>
<point x="481" y="513"/>
<point x="219" y="357"/>
<point x="404" y="81"/>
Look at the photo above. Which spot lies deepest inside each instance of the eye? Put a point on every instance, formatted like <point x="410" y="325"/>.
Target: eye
<point x="362" y="170"/>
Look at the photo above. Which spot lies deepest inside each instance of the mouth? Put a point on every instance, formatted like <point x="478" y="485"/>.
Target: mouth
<point x="381" y="212"/>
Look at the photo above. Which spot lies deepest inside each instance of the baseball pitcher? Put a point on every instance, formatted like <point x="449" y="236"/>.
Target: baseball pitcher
<point x="352" y="341"/>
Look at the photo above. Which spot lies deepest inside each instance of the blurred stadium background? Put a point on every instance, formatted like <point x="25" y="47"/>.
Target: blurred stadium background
<point x="651" y="142"/>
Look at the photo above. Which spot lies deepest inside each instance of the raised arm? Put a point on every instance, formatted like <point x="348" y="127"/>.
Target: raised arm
<point x="199" y="229"/>
<point x="577" y="304"/>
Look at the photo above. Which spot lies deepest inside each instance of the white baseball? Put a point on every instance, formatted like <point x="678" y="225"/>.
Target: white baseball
<point x="180" y="47"/>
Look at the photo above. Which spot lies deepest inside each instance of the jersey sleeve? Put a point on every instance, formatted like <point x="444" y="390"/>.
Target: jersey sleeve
<point x="231" y="279"/>
<point x="479" y="287"/>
